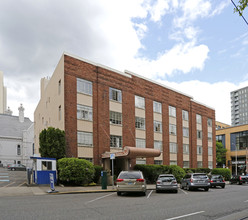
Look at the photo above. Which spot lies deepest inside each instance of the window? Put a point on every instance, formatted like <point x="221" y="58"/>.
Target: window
<point x="209" y="136"/>
<point x="87" y="158"/>
<point x="85" y="138"/>
<point x="59" y="87"/>
<point x="199" y="164"/>
<point x="198" y="119"/>
<point x="84" y="112"/>
<point x="199" y="150"/>
<point x="172" y="111"/>
<point x="60" y="113"/>
<point x="210" y="164"/>
<point x="84" y="86"/>
<point x="140" y="143"/>
<point x="185" y="148"/>
<point x="199" y="134"/>
<point x="115" y="141"/>
<point x="209" y="122"/>
<point x="158" y="126"/>
<point x="158" y="145"/>
<point x="185" y="164"/>
<point x="173" y="162"/>
<point x="18" y="149"/>
<point x="185" y="132"/>
<point x="185" y="115"/>
<point x="139" y="102"/>
<point x="157" y="107"/>
<point x="115" y="94"/>
<point x="46" y="165"/>
<point x="115" y="118"/>
<point x="173" y="148"/>
<point x="158" y="162"/>
<point x="172" y="129"/>
<point x="140" y="123"/>
<point x="210" y="151"/>
<point x="139" y="161"/>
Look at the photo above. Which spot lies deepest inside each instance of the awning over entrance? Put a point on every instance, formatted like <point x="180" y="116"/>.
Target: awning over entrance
<point x="134" y="152"/>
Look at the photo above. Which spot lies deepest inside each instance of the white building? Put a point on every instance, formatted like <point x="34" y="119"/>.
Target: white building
<point x="16" y="139"/>
<point x="3" y="95"/>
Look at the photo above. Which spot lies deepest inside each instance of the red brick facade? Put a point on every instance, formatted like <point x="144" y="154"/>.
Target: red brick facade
<point x="102" y="79"/>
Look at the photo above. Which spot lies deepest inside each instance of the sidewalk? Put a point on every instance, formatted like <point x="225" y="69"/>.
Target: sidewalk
<point x="45" y="190"/>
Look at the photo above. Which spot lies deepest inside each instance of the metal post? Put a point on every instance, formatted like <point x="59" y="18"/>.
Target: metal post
<point x="236" y="168"/>
<point x="113" y="173"/>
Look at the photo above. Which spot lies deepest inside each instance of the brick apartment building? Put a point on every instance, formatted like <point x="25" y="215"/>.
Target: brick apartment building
<point x="103" y="110"/>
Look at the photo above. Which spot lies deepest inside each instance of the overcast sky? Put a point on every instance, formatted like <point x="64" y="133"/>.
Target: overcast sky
<point x="198" y="47"/>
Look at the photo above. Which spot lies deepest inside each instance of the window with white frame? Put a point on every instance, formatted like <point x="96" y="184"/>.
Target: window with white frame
<point x="198" y="119"/>
<point x="85" y="138"/>
<point x="209" y="136"/>
<point x="173" y="162"/>
<point x="115" y="95"/>
<point x="84" y="112"/>
<point x="158" y="126"/>
<point x="210" y="164"/>
<point x="172" y="111"/>
<point x="209" y="122"/>
<point x="140" y="123"/>
<point x="157" y="107"/>
<point x="185" y="132"/>
<point x="173" y="147"/>
<point x="115" y="118"/>
<point x="185" y="115"/>
<point x="199" y="150"/>
<point x="115" y="141"/>
<point x="139" y="102"/>
<point x="210" y="151"/>
<point x="185" y="164"/>
<point x="140" y="143"/>
<point x="158" y="145"/>
<point x="186" y="148"/>
<point x="199" y="164"/>
<point x="172" y="129"/>
<point x="84" y="86"/>
<point x="199" y="134"/>
<point x="140" y="161"/>
<point x="18" y="149"/>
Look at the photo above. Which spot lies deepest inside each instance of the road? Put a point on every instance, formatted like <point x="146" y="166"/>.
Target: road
<point x="10" y="178"/>
<point x="229" y="203"/>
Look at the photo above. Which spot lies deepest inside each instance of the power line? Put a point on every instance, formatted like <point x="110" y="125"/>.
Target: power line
<point x="239" y="12"/>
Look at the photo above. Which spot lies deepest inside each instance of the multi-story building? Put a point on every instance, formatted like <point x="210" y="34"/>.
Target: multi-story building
<point x="235" y="140"/>
<point x="103" y="110"/>
<point x="239" y="106"/>
<point x="220" y="125"/>
<point x="3" y="95"/>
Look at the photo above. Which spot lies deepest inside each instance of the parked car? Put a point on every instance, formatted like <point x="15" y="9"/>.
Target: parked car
<point x="131" y="181"/>
<point x="217" y="180"/>
<point x="166" y="182"/>
<point x="195" y="181"/>
<point x="239" y="179"/>
<point x="16" y="167"/>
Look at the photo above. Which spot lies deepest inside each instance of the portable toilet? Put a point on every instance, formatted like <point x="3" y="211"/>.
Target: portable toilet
<point x="42" y="167"/>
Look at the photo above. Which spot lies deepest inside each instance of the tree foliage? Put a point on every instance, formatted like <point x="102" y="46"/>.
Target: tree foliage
<point x="241" y="6"/>
<point x="52" y="143"/>
<point x="220" y="153"/>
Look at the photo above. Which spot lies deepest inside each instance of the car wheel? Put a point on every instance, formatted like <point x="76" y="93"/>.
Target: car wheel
<point x="157" y="191"/>
<point x="206" y="189"/>
<point x="118" y="193"/>
<point x="176" y="191"/>
<point x="223" y="187"/>
<point x="240" y="183"/>
<point x="187" y="187"/>
<point x="181" y="186"/>
<point x="12" y="169"/>
<point x="144" y="193"/>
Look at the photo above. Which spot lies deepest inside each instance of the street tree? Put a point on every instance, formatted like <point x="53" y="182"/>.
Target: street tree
<point x="52" y="143"/>
<point x="241" y="6"/>
<point x="220" y="153"/>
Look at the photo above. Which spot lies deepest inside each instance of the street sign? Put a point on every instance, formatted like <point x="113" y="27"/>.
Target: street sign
<point x="112" y="156"/>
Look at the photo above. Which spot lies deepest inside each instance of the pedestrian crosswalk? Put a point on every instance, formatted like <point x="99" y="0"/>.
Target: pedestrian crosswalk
<point x="4" y="177"/>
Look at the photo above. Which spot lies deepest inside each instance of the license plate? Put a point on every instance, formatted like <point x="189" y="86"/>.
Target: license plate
<point x="165" y="183"/>
<point x="130" y="183"/>
<point x="217" y="181"/>
<point x="200" y="181"/>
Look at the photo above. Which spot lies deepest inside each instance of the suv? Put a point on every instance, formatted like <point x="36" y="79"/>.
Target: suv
<point x="195" y="181"/>
<point x="166" y="182"/>
<point x="239" y="179"/>
<point x="131" y="181"/>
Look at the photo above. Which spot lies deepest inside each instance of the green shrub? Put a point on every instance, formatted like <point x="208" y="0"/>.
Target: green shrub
<point x="97" y="175"/>
<point x="75" y="171"/>
<point x="177" y="171"/>
<point x="226" y="173"/>
<point x="197" y="170"/>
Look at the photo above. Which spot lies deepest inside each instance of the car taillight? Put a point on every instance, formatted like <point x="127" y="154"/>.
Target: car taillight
<point x="240" y="178"/>
<point x="158" y="182"/>
<point x="191" y="180"/>
<point x="140" y="180"/>
<point x="119" y="180"/>
<point x="211" y="181"/>
<point x="174" y="182"/>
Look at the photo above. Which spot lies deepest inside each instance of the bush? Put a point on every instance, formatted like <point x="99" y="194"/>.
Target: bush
<point x="151" y="172"/>
<point x="97" y="175"/>
<point x="197" y="170"/>
<point x="75" y="171"/>
<point x="226" y="173"/>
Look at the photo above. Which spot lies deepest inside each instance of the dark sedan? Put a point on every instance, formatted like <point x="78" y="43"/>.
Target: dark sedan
<point x="239" y="179"/>
<point x="17" y="167"/>
<point x="217" y="180"/>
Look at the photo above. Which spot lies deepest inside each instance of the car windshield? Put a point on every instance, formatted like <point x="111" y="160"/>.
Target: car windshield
<point x="200" y="176"/>
<point x="131" y="175"/>
<point x="216" y="177"/>
<point x="167" y="178"/>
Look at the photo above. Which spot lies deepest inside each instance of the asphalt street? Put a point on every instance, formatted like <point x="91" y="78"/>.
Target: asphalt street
<point x="229" y="203"/>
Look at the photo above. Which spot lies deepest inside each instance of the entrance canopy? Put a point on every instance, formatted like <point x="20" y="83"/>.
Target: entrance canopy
<point x="133" y="152"/>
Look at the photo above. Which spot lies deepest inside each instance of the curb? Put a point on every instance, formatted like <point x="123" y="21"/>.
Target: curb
<point x="80" y="192"/>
